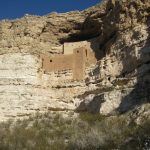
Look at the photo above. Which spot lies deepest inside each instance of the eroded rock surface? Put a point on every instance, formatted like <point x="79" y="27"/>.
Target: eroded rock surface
<point x="120" y="81"/>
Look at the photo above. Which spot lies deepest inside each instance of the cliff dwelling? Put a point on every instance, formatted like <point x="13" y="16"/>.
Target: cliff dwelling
<point x="76" y="56"/>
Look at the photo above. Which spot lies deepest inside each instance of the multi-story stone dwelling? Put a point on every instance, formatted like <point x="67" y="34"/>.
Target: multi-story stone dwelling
<point x="76" y="57"/>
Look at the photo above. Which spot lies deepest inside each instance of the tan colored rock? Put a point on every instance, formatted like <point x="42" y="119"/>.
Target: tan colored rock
<point x="119" y="81"/>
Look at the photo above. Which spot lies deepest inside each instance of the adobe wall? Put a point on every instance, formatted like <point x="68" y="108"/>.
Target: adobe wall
<point x="90" y="57"/>
<point x="69" y="47"/>
<point x="57" y="63"/>
<point x="79" y="63"/>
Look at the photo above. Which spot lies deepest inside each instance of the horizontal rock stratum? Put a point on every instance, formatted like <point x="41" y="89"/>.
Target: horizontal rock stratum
<point x="117" y="32"/>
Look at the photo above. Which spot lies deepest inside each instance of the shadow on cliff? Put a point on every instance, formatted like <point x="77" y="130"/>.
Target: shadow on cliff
<point x="141" y="92"/>
<point x="138" y="95"/>
<point x="91" y="106"/>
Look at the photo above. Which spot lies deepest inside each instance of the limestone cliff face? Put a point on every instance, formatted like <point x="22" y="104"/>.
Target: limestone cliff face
<point x="120" y="80"/>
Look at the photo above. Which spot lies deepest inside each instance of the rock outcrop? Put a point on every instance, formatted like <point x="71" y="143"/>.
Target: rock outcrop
<point x="118" y="82"/>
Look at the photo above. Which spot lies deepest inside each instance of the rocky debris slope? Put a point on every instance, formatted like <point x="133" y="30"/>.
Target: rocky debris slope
<point x="120" y="81"/>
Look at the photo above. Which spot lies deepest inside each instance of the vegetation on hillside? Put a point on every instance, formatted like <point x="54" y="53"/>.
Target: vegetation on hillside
<point x="86" y="132"/>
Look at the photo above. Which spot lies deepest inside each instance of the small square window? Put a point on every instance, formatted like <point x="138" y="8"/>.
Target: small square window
<point x="51" y="60"/>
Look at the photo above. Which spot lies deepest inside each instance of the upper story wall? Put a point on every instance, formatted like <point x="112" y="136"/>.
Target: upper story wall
<point x="69" y="47"/>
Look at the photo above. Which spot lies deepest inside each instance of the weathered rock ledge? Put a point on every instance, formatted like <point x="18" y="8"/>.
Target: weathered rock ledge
<point x="119" y="82"/>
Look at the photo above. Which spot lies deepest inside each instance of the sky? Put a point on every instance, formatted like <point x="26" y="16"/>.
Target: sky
<point x="12" y="9"/>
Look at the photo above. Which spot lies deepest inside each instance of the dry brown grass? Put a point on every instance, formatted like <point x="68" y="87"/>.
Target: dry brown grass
<point x="87" y="132"/>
